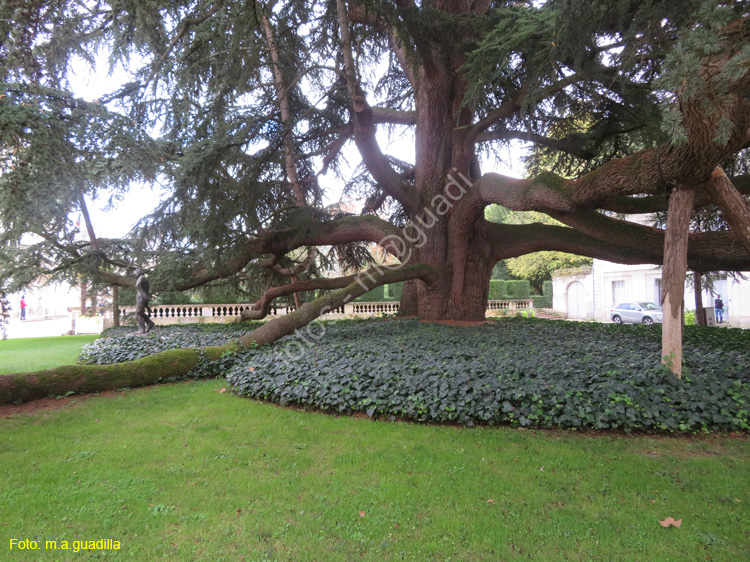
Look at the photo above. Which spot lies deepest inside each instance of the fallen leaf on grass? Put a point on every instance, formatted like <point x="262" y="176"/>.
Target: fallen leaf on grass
<point x="669" y="521"/>
<point x="221" y="390"/>
<point x="361" y="513"/>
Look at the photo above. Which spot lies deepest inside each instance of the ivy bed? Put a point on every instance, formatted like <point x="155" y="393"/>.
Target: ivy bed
<point x="524" y="372"/>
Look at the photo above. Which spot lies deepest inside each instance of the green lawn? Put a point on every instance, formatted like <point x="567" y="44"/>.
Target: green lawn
<point x="182" y="472"/>
<point x="31" y="354"/>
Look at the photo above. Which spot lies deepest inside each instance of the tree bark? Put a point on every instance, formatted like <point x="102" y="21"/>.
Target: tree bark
<point x="115" y="306"/>
<point x="261" y="308"/>
<point x="84" y="296"/>
<point x="282" y="91"/>
<point x="673" y="276"/>
<point x="734" y="207"/>
<point x="700" y="313"/>
<point x="83" y="379"/>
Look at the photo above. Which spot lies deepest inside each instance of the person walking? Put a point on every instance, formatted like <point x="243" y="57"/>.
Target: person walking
<point x="719" y="309"/>
<point x="23" y="307"/>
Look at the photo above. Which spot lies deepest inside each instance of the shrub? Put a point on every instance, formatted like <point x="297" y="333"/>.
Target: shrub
<point x="547" y="289"/>
<point x="127" y="296"/>
<point x="542" y="301"/>
<point x="118" y="344"/>
<point x="517" y="289"/>
<point x="497" y="289"/>
<point x="173" y="297"/>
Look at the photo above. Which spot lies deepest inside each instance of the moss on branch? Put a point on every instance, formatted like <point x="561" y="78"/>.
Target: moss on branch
<point x="85" y="379"/>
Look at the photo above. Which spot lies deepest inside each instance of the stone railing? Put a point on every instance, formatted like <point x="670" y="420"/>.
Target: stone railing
<point x="211" y="313"/>
<point x="371" y="308"/>
<point x="511" y="305"/>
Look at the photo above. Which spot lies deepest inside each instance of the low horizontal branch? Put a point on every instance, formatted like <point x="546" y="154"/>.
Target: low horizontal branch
<point x="261" y="308"/>
<point x="364" y="282"/>
<point x="86" y="379"/>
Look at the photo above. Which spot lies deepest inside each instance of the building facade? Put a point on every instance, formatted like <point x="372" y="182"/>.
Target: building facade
<point x="590" y="293"/>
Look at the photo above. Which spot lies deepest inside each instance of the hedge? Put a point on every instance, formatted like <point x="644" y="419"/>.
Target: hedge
<point x="517" y="289"/>
<point x="547" y="288"/>
<point x="497" y="289"/>
<point x="542" y="301"/>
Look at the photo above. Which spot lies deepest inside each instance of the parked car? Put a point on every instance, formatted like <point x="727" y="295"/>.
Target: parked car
<point x="636" y="312"/>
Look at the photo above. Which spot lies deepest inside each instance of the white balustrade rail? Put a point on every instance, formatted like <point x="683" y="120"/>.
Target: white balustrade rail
<point x="517" y="304"/>
<point x="195" y="313"/>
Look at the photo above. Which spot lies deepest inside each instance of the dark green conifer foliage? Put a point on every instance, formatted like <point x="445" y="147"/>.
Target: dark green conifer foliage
<point x="245" y="113"/>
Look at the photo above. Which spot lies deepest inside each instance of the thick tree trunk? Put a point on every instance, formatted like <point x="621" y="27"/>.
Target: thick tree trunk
<point x="470" y="268"/>
<point x="409" y="304"/>
<point x="674" y="273"/>
<point x="449" y="231"/>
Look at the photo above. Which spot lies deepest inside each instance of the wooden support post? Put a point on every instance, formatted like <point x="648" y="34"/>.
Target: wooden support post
<point x="674" y="273"/>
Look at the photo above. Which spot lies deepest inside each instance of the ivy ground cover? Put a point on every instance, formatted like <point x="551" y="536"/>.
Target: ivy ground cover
<point x="522" y="372"/>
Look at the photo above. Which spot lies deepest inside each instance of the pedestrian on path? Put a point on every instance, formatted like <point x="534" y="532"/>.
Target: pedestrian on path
<point x="23" y="307"/>
<point x="719" y="309"/>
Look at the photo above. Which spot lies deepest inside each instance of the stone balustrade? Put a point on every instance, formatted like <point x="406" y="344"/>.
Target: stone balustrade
<point x="511" y="305"/>
<point x="215" y="313"/>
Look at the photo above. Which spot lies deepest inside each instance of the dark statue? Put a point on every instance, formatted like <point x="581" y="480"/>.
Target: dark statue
<point x="141" y="303"/>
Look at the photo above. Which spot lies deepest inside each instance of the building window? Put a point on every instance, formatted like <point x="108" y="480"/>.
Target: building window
<point x="618" y="291"/>
<point x="657" y="292"/>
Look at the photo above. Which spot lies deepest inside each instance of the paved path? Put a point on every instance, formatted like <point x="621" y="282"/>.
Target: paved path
<point x="39" y="327"/>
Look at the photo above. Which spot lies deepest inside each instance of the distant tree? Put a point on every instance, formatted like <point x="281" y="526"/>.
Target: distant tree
<point x="536" y="267"/>
<point x="539" y="266"/>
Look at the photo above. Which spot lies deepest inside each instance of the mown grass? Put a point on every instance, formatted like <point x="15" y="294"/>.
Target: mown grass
<point x="32" y="354"/>
<point x="182" y="472"/>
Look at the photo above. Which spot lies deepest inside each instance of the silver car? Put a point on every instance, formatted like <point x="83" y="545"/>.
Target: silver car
<point x="636" y="313"/>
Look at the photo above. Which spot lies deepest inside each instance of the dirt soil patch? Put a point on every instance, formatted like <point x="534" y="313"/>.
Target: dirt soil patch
<point x="48" y="404"/>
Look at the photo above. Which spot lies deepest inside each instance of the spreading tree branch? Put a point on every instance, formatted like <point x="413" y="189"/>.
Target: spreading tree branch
<point x="310" y="232"/>
<point x="262" y="307"/>
<point x="734" y="207"/>
<point x="364" y="282"/>
<point x="364" y="126"/>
